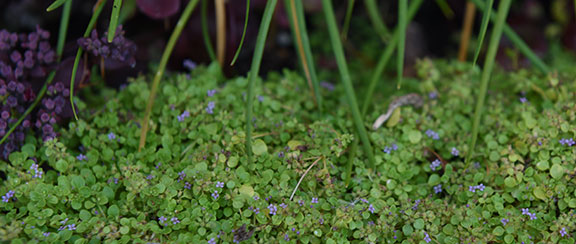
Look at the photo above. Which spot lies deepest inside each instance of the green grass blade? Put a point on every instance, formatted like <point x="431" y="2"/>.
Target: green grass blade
<point x="503" y="8"/>
<point x="243" y="33"/>
<point x="445" y="8"/>
<point x="483" y="29"/>
<point x="206" y="32"/>
<point x="346" y="81"/>
<point x="56" y="4"/>
<point x="402" y="25"/>
<point x="162" y="66"/>
<point x="29" y="110"/>
<point x="384" y="58"/>
<point x="91" y="25"/>
<point x="64" y="20"/>
<point x="386" y="55"/>
<point x="347" y="19"/>
<point x="114" y="20"/>
<point x="296" y="11"/>
<point x="517" y="41"/>
<point x="376" y="19"/>
<point x="255" y="68"/>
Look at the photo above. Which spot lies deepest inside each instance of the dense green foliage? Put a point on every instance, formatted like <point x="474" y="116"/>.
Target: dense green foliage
<point x="192" y="183"/>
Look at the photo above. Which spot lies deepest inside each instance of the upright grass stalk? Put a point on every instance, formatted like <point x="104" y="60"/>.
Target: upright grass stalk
<point x="162" y="66"/>
<point x="503" y="8"/>
<point x="483" y="29"/>
<point x="91" y="24"/>
<point x="29" y="110"/>
<point x="114" y="20"/>
<point x="65" y="18"/>
<point x="346" y="81"/>
<point x="467" y="25"/>
<point x="296" y="11"/>
<point x="220" y="30"/>
<point x="347" y="19"/>
<point x="445" y="8"/>
<point x="402" y="25"/>
<point x="386" y="55"/>
<point x="376" y="19"/>
<point x="384" y="58"/>
<point x="255" y="68"/>
<point x="56" y="4"/>
<point x="518" y="42"/>
<point x="206" y="32"/>
<point x="243" y="33"/>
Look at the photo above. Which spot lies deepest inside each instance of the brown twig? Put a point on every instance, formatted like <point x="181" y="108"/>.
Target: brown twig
<point x="466" y="31"/>
<point x="301" y="178"/>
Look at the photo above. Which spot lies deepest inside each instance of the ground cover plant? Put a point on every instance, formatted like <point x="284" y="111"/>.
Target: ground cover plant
<point x="478" y="155"/>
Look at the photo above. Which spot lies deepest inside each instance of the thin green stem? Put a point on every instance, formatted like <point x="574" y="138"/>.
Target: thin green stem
<point x="162" y="66"/>
<point x="29" y="110"/>
<point x="243" y="33"/>
<point x="114" y="19"/>
<point x="376" y="19"/>
<point x="346" y="80"/>
<point x="64" y="20"/>
<point x="402" y="25"/>
<point x="386" y="55"/>
<point x="56" y="4"/>
<point x="255" y="68"/>
<point x="206" y="32"/>
<point x="483" y="29"/>
<point x="296" y="11"/>
<point x="518" y="42"/>
<point x="503" y="8"/>
<point x="91" y="24"/>
<point x="347" y="19"/>
<point x="384" y="58"/>
<point x="445" y="8"/>
<point x="72" y="78"/>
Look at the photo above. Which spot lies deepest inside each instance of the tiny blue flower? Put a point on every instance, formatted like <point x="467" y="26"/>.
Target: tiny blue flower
<point x="81" y="157"/>
<point x="427" y="238"/>
<point x="432" y="134"/>
<point x="210" y="108"/>
<point x="215" y="195"/>
<point x="211" y="93"/>
<point x="183" y="116"/>
<point x="504" y="221"/>
<point x="435" y="164"/>
<point x="438" y="188"/>
<point x="7" y="196"/>
<point x="371" y="208"/>
<point x="162" y="219"/>
<point x="189" y="64"/>
<point x="175" y="220"/>
<point x="111" y="136"/>
<point x="314" y="200"/>
<point x="563" y="231"/>
<point x="220" y="184"/>
<point x="523" y="100"/>
<point x="212" y="241"/>
<point x="272" y="209"/>
<point x="455" y="152"/>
